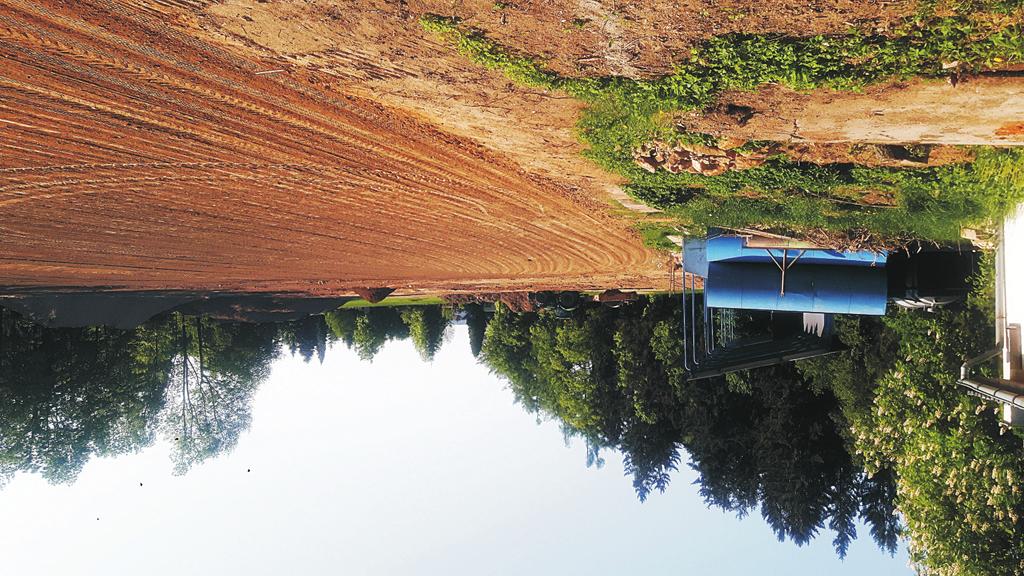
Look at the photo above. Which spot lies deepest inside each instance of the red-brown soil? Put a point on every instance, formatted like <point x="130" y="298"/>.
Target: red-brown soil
<point x="376" y="48"/>
<point x="322" y="146"/>
<point x="137" y="154"/>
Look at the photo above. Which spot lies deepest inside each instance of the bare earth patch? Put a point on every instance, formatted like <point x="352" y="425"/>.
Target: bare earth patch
<point x="978" y="111"/>
<point x="137" y="155"/>
<point x="376" y="49"/>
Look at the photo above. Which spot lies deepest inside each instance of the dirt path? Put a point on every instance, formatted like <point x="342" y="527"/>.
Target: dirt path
<point x="977" y="111"/>
<point x="136" y="155"/>
<point x="376" y="49"/>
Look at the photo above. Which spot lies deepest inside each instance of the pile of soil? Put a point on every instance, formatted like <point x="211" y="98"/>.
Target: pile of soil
<point x="515" y="301"/>
<point x="374" y="295"/>
<point x="697" y="158"/>
<point x="714" y="160"/>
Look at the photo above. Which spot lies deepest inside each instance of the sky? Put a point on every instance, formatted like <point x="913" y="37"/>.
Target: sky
<point x="390" y="468"/>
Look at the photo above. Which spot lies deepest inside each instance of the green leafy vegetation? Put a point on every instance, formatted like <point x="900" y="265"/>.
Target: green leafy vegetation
<point x="956" y="483"/>
<point x="817" y="446"/>
<point x="215" y="370"/>
<point x="931" y="203"/>
<point x="958" y="471"/>
<point x="656" y="235"/>
<point x="426" y="329"/>
<point x="858" y="434"/>
<point x="390" y="302"/>
<point x="615" y="378"/>
<point x="69" y="394"/>
<point x="366" y="330"/>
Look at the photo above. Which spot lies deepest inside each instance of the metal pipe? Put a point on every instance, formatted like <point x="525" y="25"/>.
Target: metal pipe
<point x="686" y="362"/>
<point x="991" y="389"/>
<point x="967" y="368"/>
<point x="993" y="392"/>
<point x="709" y="313"/>
<point x="693" y="316"/>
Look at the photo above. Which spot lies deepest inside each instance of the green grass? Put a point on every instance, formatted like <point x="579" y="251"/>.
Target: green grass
<point x="744" y="62"/>
<point x="655" y="235"/>
<point x="391" y="302"/>
<point x="929" y="7"/>
<point x="932" y="203"/>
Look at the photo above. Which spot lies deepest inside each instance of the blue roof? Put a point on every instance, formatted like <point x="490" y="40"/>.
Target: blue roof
<point x="730" y="248"/>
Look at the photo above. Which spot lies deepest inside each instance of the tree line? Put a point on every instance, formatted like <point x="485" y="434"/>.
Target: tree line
<point x="68" y="394"/>
<point x="814" y="447"/>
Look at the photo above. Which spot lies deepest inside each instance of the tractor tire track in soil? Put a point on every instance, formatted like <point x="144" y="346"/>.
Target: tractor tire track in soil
<point x="134" y="155"/>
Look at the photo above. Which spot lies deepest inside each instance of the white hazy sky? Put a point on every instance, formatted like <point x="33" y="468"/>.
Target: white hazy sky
<point x="391" y="468"/>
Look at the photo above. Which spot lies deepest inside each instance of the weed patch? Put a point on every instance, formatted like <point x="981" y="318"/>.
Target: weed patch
<point x="655" y="235"/>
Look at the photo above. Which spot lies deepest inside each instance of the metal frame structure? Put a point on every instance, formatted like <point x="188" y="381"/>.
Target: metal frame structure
<point x="1009" y="390"/>
<point x="704" y="356"/>
<point x="783" y="266"/>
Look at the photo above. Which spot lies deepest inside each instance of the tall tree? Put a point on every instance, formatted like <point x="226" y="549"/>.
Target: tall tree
<point x="776" y="448"/>
<point x="957" y="470"/>
<point x="308" y="337"/>
<point x="366" y="330"/>
<point x="476" y="322"/>
<point x="67" y="394"/>
<point x="615" y="378"/>
<point x="217" y="369"/>
<point x="427" y="325"/>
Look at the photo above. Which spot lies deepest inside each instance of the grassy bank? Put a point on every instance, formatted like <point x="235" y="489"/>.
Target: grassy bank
<point x="393" y="302"/>
<point x="784" y="195"/>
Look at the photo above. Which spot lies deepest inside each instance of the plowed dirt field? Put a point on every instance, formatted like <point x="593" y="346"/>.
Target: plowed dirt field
<point x="137" y="155"/>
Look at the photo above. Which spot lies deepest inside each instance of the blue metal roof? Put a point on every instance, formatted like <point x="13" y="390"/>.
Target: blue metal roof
<point x="730" y="248"/>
